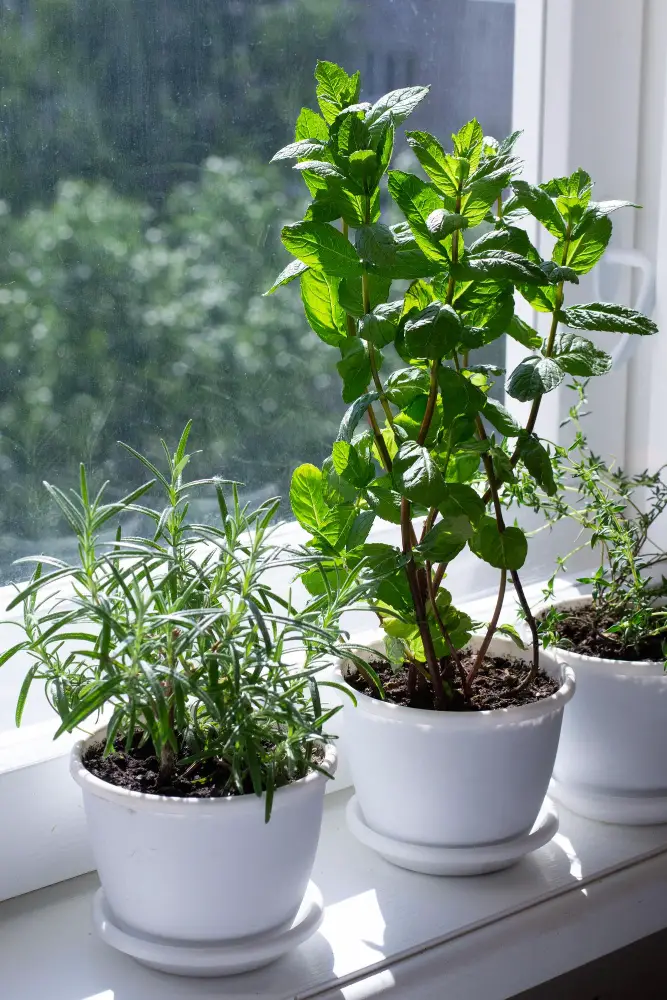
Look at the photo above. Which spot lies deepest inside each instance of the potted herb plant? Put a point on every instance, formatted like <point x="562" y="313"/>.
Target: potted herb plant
<point x="453" y="737"/>
<point x="610" y="763"/>
<point x="203" y="788"/>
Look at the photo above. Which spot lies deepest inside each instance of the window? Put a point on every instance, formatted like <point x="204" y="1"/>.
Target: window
<point x="139" y="225"/>
<point x="140" y="222"/>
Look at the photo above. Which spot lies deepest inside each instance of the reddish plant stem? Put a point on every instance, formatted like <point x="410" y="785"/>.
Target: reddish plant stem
<point x="420" y="606"/>
<point x="493" y="487"/>
<point x="453" y="652"/>
<point x="486" y="641"/>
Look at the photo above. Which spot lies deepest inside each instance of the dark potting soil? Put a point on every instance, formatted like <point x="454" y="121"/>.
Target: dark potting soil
<point x="584" y="629"/>
<point x="137" y="771"/>
<point x="494" y="686"/>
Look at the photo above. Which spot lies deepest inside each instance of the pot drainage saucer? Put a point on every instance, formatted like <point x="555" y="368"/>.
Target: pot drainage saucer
<point x="224" y="958"/>
<point x="643" y="809"/>
<point x="477" y="860"/>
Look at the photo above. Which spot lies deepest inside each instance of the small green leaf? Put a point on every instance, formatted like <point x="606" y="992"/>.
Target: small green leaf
<point x="579" y="356"/>
<point x="328" y="522"/>
<point x="417" y="200"/>
<point x="433" y="159"/>
<point x="394" y="108"/>
<point x="310" y="126"/>
<point x="406" y="385"/>
<point x="289" y="273"/>
<point x="541" y="298"/>
<point x="499" y="264"/>
<point x="354" y="414"/>
<point x="335" y="89"/>
<point x="468" y="142"/>
<point x="534" y="377"/>
<point x="540" y="205"/>
<point x="320" y="168"/>
<point x="459" y="498"/>
<point x="523" y="333"/>
<point x="459" y="395"/>
<point x="360" y="529"/>
<point x="379" y="326"/>
<point x="512" y="634"/>
<point x="354" y="368"/>
<point x="442" y="224"/>
<point x="557" y="273"/>
<point x="350" y="465"/>
<point x="503" y="549"/>
<point x="375" y="244"/>
<point x="446" y="539"/>
<point x="323" y="247"/>
<point x="304" y="147"/>
<point x="503" y="469"/>
<point x="434" y="333"/>
<point x="384" y="500"/>
<point x="500" y="417"/>
<point x="595" y="211"/>
<point x="364" y="167"/>
<point x="583" y="252"/>
<point x="416" y="476"/>
<point x="536" y="458"/>
<point x="320" y="303"/>
<point x="609" y="317"/>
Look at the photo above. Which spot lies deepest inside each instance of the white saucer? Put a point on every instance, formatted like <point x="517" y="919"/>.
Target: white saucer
<point x="225" y="958"/>
<point x="477" y="860"/>
<point x="642" y="809"/>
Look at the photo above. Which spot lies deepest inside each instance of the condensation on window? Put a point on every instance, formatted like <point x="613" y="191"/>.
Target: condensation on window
<point x="140" y="222"/>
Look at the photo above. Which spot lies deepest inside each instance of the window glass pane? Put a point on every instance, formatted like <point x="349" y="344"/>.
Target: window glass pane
<point x="140" y="222"/>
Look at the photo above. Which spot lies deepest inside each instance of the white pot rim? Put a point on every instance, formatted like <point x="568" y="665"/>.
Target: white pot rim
<point x="148" y="801"/>
<point x="600" y="664"/>
<point x="466" y="720"/>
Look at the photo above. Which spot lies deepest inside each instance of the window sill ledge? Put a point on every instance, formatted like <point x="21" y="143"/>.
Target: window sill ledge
<point x="591" y="891"/>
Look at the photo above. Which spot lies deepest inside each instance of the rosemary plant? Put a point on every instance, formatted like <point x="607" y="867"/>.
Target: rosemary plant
<point x="177" y="635"/>
<point x="439" y="451"/>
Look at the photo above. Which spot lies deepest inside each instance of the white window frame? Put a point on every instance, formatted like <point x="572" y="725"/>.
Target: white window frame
<point x="580" y="69"/>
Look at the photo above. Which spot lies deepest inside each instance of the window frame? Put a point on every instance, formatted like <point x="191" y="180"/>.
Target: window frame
<point x="557" y="45"/>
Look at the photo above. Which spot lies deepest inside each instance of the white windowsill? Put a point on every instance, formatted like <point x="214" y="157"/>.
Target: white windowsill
<point x="592" y="890"/>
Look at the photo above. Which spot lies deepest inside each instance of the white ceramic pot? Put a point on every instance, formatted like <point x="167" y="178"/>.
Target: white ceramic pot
<point x="204" y="870"/>
<point x="612" y="756"/>
<point x="453" y="778"/>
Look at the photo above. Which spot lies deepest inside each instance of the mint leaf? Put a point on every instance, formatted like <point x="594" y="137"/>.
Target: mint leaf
<point x="320" y="303"/>
<point x="433" y="333"/>
<point x="394" y="107"/>
<point x="540" y="205"/>
<point x="503" y="549"/>
<point x="416" y="476"/>
<point x="534" y="377"/>
<point x="579" y="356"/>
<point x="500" y="417"/>
<point x="536" y="458"/>
<point x="609" y="317"/>
<point x="322" y="247"/>
<point x="289" y="273"/>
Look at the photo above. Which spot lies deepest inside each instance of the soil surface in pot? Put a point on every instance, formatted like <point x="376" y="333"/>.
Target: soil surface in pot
<point x="583" y="629"/>
<point x="137" y="771"/>
<point x="494" y="686"/>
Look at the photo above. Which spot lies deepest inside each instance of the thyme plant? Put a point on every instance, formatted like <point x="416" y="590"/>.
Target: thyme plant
<point x="616" y="514"/>
<point x="439" y="451"/>
<point x="178" y="636"/>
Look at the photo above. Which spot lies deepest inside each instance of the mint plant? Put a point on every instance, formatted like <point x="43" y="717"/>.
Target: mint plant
<point x="178" y="637"/>
<point x="439" y="453"/>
